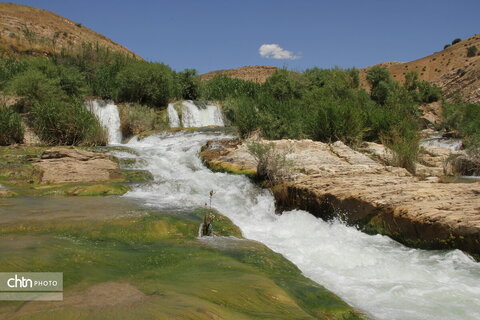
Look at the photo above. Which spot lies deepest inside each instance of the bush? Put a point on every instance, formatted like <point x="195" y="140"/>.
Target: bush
<point x="222" y="87"/>
<point x="188" y="85"/>
<point x="145" y="83"/>
<point x="446" y="46"/>
<point x="403" y="139"/>
<point x="456" y="40"/>
<point x="282" y="85"/>
<point x="472" y="51"/>
<point x="465" y="120"/>
<point x="8" y="69"/>
<point x="66" y="123"/>
<point x="136" y="119"/>
<point x="35" y="86"/>
<point x="272" y="164"/>
<point x="11" y="130"/>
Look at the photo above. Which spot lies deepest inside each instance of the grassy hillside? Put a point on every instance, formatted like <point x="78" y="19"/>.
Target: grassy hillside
<point x="31" y="31"/>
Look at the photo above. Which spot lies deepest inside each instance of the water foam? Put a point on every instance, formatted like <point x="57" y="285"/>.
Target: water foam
<point x="194" y="116"/>
<point x="373" y="273"/>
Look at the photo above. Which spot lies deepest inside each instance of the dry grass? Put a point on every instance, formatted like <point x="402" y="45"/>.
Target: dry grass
<point x="450" y="69"/>
<point x="26" y="30"/>
<point x="257" y="74"/>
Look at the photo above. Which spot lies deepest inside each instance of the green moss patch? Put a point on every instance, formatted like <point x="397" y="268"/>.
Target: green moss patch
<point x="161" y="270"/>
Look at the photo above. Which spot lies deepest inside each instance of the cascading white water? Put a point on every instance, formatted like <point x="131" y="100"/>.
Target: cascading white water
<point x="437" y="140"/>
<point x="173" y="118"/>
<point x="107" y="114"/>
<point x="373" y="273"/>
<point x="193" y="116"/>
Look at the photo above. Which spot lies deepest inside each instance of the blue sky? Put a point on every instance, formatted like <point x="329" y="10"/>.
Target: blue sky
<point x="212" y="34"/>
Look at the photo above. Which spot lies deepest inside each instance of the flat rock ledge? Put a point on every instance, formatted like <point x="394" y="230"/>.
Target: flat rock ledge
<point x="65" y="165"/>
<point x="334" y="180"/>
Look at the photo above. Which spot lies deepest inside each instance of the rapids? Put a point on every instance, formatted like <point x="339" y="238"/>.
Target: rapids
<point x="377" y="275"/>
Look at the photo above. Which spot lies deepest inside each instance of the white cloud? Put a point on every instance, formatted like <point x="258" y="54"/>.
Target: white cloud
<point x="274" y="51"/>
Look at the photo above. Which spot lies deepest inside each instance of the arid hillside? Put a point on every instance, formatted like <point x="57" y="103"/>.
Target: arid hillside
<point x="26" y="30"/>
<point x="452" y="69"/>
<point x="253" y="73"/>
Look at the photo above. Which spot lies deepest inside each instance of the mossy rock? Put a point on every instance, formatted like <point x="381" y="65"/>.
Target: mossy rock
<point x="156" y="260"/>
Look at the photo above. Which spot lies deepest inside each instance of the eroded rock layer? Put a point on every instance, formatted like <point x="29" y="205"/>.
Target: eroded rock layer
<point x="334" y="180"/>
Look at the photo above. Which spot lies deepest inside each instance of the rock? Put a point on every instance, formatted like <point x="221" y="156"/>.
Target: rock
<point x="333" y="179"/>
<point x="63" y="165"/>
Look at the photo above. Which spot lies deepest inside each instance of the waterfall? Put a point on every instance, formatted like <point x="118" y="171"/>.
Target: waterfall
<point x="194" y="115"/>
<point x="373" y="273"/>
<point x="107" y="114"/>
<point x="173" y="116"/>
<point x="437" y="140"/>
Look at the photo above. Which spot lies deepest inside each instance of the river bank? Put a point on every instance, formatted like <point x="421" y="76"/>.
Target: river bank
<point x="332" y="180"/>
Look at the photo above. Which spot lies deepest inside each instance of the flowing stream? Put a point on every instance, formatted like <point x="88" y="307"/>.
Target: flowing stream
<point x="377" y="275"/>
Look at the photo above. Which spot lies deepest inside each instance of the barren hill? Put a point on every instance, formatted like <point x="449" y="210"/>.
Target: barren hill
<point x="253" y="73"/>
<point x="26" y="30"/>
<point x="451" y="69"/>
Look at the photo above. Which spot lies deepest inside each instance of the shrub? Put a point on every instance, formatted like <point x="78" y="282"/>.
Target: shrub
<point x="472" y="51"/>
<point x="136" y="119"/>
<point x="66" y="123"/>
<point x="283" y="85"/>
<point x="145" y="83"/>
<point x="272" y="164"/>
<point x="222" y="87"/>
<point x="72" y="81"/>
<point x="35" y="86"/>
<point x="8" y="69"/>
<point x="11" y="130"/>
<point x="335" y="78"/>
<point x="188" y="85"/>
<point x="456" y="40"/>
<point x="446" y="46"/>
<point x="403" y="139"/>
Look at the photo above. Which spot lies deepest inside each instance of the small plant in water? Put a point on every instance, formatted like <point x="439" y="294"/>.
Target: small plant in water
<point x="207" y="227"/>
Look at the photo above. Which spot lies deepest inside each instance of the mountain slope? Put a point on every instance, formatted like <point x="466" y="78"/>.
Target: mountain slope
<point x="450" y="69"/>
<point x="26" y="30"/>
<point x="252" y="73"/>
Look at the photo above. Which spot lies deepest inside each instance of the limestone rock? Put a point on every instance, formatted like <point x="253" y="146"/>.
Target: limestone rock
<point x="329" y="179"/>
<point x="62" y="165"/>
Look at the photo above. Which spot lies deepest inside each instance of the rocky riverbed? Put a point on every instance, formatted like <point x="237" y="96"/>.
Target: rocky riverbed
<point x="334" y="180"/>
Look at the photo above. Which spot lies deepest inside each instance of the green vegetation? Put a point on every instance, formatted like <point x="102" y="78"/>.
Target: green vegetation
<point x="137" y="119"/>
<point x="11" y="130"/>
<point x="464" y="119"/>
<point x="152" y="265"/>
<point x="456" y="40"/>
<point x="328" y="105"/>
<point x="472" y="51"/>
<point x="53" y="90"/>
<point x="272" y="164"/>
<point x="23" y="178"/>
<point x="66" y="123"/>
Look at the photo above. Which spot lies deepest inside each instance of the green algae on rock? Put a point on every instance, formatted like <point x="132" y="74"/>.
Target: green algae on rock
<point x="143" y="264"/>
<point x="21" y="174"/>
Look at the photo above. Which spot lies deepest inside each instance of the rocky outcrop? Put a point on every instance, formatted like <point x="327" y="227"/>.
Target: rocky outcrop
<point x="334" y="180"/>
<point x="64" y="165"/>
